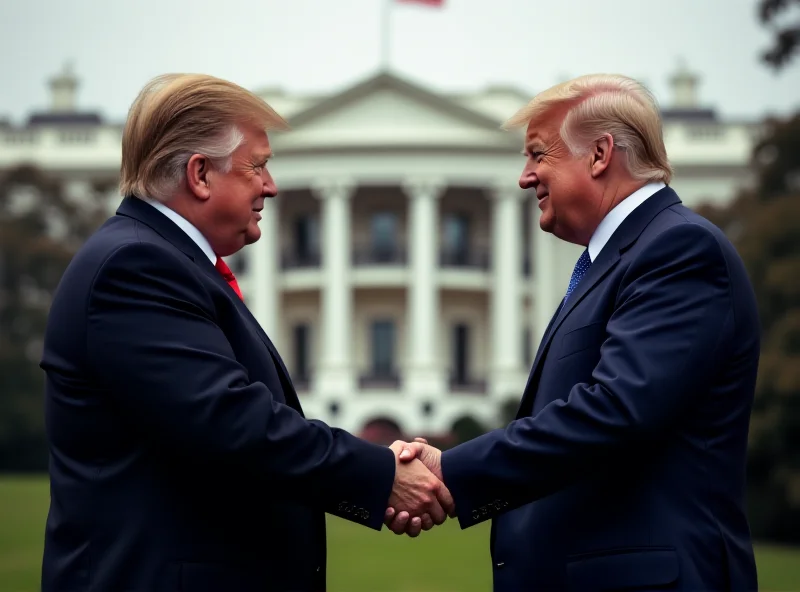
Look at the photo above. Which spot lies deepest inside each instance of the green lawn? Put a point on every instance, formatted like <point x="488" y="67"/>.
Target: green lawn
<point x="445" y="559"/>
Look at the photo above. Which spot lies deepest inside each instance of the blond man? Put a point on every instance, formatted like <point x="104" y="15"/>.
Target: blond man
<point x="180" y="456"/>
<point x="625" y="467"/>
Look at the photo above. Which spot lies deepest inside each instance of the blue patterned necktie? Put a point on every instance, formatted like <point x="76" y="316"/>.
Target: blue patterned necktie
<point x="581" y="267"/>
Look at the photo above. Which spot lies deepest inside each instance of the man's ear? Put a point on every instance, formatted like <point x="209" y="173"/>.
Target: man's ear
<point x="197" y="176"/>
<point x="601" y="154"/>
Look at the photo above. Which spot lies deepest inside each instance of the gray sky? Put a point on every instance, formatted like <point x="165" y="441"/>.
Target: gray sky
<point x="324" y="45"/>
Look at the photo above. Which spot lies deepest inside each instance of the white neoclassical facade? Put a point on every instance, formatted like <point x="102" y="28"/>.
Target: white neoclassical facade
<point x="401" y="270"/>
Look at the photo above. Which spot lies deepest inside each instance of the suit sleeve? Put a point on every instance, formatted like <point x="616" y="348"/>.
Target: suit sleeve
<point x="672" y="313"/>
<point x="153" y="340"/>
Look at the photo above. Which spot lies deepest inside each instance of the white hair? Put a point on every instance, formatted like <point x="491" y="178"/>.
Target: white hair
<point x="178" y="115"/>
<point x="607" y="104"/>
<point x="219" y="150"/>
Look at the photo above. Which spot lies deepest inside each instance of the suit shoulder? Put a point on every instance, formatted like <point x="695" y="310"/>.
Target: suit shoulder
<point x="675" y="244"/>
<point x="146" y="267"/>
<point x="679" y="214"/>
<point x="122" y="238"/>
<point x="678" y="228"/>
<point x="142" y="253"/>
<point x="139" y="271"/>
<point x="121" y="250"/>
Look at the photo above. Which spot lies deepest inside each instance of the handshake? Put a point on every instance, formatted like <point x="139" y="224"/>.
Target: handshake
<point x="419" y="498"/>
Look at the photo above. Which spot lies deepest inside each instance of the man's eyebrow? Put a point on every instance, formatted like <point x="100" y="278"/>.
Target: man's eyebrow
<point x="264" y="156"/>
<point x="534" y="146"/>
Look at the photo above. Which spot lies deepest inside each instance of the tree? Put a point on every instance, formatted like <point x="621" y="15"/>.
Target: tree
<point x="40" y="230"/>
<point x="786" y="36"/>
<point x="508" y="410"/>
<point x="466" y="428"/>
<point x="764" y="224"/>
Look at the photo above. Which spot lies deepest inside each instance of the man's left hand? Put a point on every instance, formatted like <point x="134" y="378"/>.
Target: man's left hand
<point x="431" y="457"/>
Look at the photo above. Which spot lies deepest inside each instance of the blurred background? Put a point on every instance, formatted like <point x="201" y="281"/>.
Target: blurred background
<point x="400" y="248"/>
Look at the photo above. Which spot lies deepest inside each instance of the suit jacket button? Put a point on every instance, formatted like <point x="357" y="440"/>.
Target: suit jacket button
<point x="499" y="564"/>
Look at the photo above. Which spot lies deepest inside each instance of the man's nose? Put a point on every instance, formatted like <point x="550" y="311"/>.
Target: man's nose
<point x="269" y="188"/>
<point x="528" y="181"/>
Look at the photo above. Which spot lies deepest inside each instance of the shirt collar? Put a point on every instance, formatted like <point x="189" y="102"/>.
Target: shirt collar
<point x="186" y="226"/>
<point x="617" y="216"/>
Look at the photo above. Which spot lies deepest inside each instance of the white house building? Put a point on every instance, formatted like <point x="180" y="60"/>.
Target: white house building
<point x="401" y="270"/>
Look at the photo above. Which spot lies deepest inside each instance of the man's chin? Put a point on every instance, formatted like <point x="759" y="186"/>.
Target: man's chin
<point x="252" y="235"/>
<point x="546" y="222"/>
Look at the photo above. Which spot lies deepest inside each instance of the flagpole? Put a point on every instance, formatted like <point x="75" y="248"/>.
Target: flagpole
<point x="385" y="34"/>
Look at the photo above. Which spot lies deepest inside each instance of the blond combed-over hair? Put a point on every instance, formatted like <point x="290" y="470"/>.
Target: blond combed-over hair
<point x="178" y="115"/>
<point x="601" y="104"/>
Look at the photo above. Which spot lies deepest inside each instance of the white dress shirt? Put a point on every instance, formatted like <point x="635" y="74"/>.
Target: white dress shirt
<point x="187" y="227"/>
<point x="617" y="216"/>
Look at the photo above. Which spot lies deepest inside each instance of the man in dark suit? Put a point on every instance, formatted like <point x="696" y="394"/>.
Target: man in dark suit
<point x="180" y="456"/>
<point x="625" y="467"/>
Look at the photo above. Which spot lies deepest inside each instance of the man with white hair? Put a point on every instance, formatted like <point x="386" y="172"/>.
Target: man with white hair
<point x="180" y="456"/>
<point x="625" y="466"/>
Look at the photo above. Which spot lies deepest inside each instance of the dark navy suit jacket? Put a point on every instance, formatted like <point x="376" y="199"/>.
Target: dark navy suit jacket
<point x="180" y="456"/>
<point x="625" y="468"/>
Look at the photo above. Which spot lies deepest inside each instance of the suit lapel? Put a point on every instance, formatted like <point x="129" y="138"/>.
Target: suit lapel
<point x="621" y="240"/>
<point x="133" y="207"/>
<point x="599" y="269"/>
<point x="604" y="263"/>
<point x="541" y="348"/>
<point x="521" y="410"/>
<point x="290" y="393"/>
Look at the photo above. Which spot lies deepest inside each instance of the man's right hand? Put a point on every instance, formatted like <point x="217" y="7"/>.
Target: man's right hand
<point x="431" y="457"/>
<point x="417" y="495"/>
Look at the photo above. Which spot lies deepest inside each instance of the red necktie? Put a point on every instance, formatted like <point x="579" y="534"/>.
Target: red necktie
<point x="226" y="272"/>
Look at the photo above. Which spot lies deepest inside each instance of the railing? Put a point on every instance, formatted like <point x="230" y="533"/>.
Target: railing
<point x="379" y="380"/>
<point x="291" y="259"/>
<point x="369" y="255"/>
<point x="372" y="255"/>
<point x="472" y="258"/>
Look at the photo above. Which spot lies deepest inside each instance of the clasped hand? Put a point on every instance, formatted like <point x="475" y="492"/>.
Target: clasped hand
<point x="419" y="498"/>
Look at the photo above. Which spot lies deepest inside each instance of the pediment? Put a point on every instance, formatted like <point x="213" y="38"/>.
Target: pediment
<point x="386" y="110"/>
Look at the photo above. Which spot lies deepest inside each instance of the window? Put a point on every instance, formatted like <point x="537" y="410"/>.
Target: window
<point x="456" y="238"/>
<point x="384" y="235"/>
<point x="301" y="351"/>
<point x="383" y="348"/>
<point x="306" y="238"/>
<point x="460" y="353"/>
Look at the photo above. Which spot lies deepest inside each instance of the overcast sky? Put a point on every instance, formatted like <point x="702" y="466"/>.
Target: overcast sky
<point x="324" y="45"/>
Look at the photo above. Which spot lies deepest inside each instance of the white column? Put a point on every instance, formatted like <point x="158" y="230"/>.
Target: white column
<point x="264" y="300"/>
<point x="507" y="327"/>
<point x="424" y="375"/>
<point x="334" y="374"/>
<point x="546" y="289"/>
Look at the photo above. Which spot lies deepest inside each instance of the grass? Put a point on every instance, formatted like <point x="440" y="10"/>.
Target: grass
<point x="445" y="559"/>
<point x="23" y="510"/>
